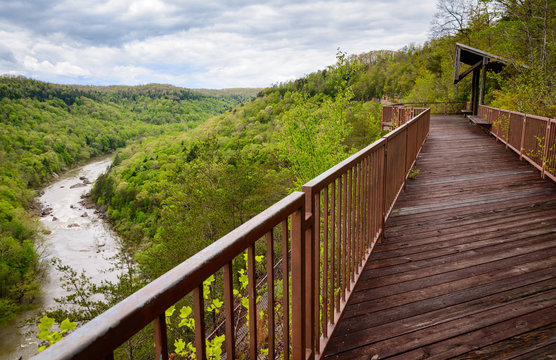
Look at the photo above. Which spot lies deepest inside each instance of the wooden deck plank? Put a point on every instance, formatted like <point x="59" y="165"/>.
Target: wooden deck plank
<point x="512" y="315"/>
<point x="442" y="304"/>
<point x="465" y="223"/>
<point x="467" y="265"/>
<point x="407" y="283"/>
<point x="454" y="319"/>
<point x="430" y="305"/>
<point x="539" y="343"/>
<point x="359" y="308"/>
<point x="483" y="337"/>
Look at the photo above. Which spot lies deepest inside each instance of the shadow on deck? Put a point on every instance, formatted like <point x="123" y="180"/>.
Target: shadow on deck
<point x="467" y="266"/>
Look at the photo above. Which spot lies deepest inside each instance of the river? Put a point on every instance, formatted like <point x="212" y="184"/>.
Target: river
<point x="78" y="237"/>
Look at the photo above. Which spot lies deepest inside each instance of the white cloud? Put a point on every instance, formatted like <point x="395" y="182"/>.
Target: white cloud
<point x="198" y="44"/>
<point x="63" y="68"/>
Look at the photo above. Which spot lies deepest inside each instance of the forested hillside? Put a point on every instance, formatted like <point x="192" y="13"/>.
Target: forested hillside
<point x="47" y="128"/>
<point x="174" y="195"/>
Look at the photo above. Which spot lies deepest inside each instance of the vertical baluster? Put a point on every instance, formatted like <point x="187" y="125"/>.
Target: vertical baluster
<point x="372" y="197"/>
<point x="353" y="255"/>
<point x="344" y="239"/>
<point x="270" y="294"/>
<point x="333" y="252"/>
<point x="355" y="232"/>
<point x="160" y="338"/>
<point x="546" y="147"/>
<point x="199" y="317"/>
<point x="310" y="283"/>
<point x="376" y="192"/>
<point x="383" y="160"/>
<point x="252" y="293"/>
<point x="325" y="298"/>
<point x="229" y="311"/>
<point x="298" y="286"/>
<point x="316" y="271"/>
<point x="369" y="198"/>
<point x="357" y="215"/>
<point x="348" y="233"/>
<point x="364" y="207"/>
<point x="286" y="290"/>
<point x="355" y="219"/>
<point x="361" y="216"/>
<point x="522" y="142"/>
<point x="339" y="243"/>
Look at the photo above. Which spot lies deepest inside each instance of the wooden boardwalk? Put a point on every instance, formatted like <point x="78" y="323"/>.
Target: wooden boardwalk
<point x="467" y="269"/>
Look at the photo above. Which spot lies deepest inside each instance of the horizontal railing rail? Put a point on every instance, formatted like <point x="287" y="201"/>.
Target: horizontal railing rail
<point x="348" y="206"/>
<point x="397" y="114"/>
<point x="324" y="234"/>
<point x="441" y="107"/>
<point x="532" y="137"/>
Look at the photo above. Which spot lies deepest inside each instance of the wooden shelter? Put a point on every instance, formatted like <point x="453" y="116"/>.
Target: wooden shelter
<point x="479" y="62"/>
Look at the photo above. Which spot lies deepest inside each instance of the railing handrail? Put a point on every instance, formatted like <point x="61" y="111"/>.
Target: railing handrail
<point x="113" y="327"/>
<point x="540" y="117"/>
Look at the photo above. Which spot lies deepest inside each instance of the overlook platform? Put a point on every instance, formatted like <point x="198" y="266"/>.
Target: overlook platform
<point x="467" y="268"/>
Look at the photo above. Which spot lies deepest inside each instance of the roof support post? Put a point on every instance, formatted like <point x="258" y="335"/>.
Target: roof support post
<point x="483" y="81"/>
<point x="475" y="90"/>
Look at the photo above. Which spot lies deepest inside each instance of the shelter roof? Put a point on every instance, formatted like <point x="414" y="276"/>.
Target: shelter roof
<point x="476" y="58"/>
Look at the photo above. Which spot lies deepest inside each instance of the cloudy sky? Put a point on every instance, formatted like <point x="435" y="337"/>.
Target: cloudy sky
<point x="200" y="43"/>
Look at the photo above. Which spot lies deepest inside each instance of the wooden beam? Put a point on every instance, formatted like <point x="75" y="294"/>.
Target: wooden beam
<point x="457" y="64"/>
<point x="483" y="80"/>
<point x="458" y="78"/>
<point x="475" y="90"/>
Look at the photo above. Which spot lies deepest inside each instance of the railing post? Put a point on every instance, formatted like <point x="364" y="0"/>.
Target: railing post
<point x="298" y="284"/>
<point x="160" y="337"/>
<point x="522" y="137"/>
<point x="406" y="170"/>
<point x="199" y="317"/>
<point x="310" y="271"/>
<point x="545" y="150"/>
<point x="384" y="176"/>
<point x="229" y="310"/>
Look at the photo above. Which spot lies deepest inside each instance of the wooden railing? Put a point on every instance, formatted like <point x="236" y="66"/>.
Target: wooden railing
<point x="441" y="107"/>
<point x="348" y="206"/>
<point x="324" y="234"/>
<point x="532" y="137"/>
<point x="284" y="220"/>
<point x="398" y="114"/>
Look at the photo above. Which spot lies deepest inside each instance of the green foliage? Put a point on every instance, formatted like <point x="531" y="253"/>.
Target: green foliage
<point x="186" y="348"/>
<point x="183" y="342"/>
<point x="413" y="173"/>
<point x="523" y="32"/>
<point x="173" y="195"/>
<point x="47" y="128"/>
<point x="50" y="337"/>
<point x="313" y="134"/>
